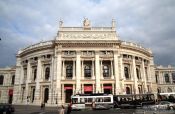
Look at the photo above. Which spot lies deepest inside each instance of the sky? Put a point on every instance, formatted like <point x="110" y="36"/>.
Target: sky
<point x="149" y="23"/>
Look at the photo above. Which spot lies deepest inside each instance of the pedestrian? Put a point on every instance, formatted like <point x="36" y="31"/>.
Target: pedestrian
<point x="42" y="106"/>
<point x="62" y="110"/>
<point x="93" y="105"/>
<point x="69" y="108"/>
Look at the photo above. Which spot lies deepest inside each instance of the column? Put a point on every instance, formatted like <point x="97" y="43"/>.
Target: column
<point x="116" y="73"/>
<point x="74" y="63"/>
<point x="102" y="88"/>
<point x="52" y="78"/>
<point x="58" y="77"/>
<point x="101" y="69"/>
<point x="93" y="85"/>
<point x="122" y="75"/>
<point x="27" y="81"/>
<point x="112" y="70"/>
<point x="170" y="77"/>
<point x="93" y="72"/>
<point x="97" y="73"/>
<point x="82" y="91"/>
<point x="17" y="86"/>
<point x="63" y="70"/>
<point x="37" y="88"/>
<point x="78" y="72"/>
<point x="82" y="69"/>
<point x="135" y="76"/>
<point x="144" y="77"/>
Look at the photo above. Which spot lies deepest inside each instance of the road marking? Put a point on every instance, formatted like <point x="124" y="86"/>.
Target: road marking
<point x="41" y="112"/>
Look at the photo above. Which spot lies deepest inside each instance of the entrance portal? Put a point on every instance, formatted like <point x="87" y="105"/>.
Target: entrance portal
<point x="46" y="95"/>
<point x="68" y="93"/>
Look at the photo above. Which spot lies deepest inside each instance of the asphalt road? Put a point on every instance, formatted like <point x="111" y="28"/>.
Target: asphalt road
<point x="55" y="110"/>
<point x="112" y="111"/>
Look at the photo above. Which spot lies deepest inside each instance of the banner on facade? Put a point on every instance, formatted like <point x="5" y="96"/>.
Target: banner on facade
<point x="88" y="88"/>
<point x="10" y="92"/>
<point x="107" y="87"/>
<point x="68" y="87"/>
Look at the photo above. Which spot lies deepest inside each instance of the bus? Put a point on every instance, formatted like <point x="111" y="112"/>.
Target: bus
<point x="133" y="100"/>
<point x="170" y="96"/>
<point x="101" y="101"/>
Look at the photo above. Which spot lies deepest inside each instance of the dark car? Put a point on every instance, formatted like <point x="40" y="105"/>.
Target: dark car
<point x="8" y="108"/>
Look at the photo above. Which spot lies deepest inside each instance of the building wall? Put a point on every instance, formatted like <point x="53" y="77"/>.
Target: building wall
<point x="165" y="79"/>
<point x="6" y="84"/>
<point x="53" y="70"/>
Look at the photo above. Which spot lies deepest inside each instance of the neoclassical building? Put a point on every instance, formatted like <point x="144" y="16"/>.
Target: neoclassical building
<point x="7" y="80"/>
<point x="165" y="79"/>
<point x="85" y="60"/>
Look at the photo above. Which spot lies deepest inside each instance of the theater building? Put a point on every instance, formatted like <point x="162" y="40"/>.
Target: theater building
<point x="165" y="79"/>
<point x="82" y="60"/>
<point x="7" y="80"/>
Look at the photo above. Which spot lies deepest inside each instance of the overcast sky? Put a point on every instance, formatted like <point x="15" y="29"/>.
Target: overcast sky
<point x="150" y="23"/>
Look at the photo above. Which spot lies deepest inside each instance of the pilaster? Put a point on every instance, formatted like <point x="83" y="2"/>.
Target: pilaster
<point x="116" y="73"/>
<point x="135" y="76"/>
<point x="37" y="88"/>
<point x="27" y="81"/>
<point x="58" y="78"/>
<point x="97" y="72"/>
<point x="78" y="72"/>
<point x="144" y="77"/>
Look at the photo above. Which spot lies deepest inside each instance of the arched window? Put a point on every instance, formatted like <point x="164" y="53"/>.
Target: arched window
<point x="140" y="90"/>
<point x="87" y="71"/>
<point x="46" y="95"/>
<point x="1" y="79"/>
<point x="69" y="71"/>
<point x="47" y="73"/>
<point x="138" y="73"/>
<point x="13" y="79"/>
<point x="105" y="71"/>
<point x="173" y="77"/>
<point x="128" y="90"/>
<point x="156" y="78"/>
<point x="167" y="80"/>
<point x="126" y="71"/>
<point x="34" y="74"/>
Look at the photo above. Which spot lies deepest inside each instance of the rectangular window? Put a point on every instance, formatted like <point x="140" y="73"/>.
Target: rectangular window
<point x="173" y="77"/>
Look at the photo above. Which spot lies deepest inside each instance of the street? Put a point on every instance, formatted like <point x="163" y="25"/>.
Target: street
<point x="54" y="110"/>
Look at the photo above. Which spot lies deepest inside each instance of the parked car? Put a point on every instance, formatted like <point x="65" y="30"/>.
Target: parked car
<point x="162" y="105"/>
<point x="8" y="108"/>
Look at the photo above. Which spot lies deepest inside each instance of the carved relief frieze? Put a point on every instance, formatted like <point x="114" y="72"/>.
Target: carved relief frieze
<point x="87" y="36"/>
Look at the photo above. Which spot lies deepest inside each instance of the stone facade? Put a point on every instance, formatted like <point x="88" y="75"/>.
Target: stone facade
<point x="82" y="60"/>
<point x="165" y="78"/>
<point x="7" y="80"/>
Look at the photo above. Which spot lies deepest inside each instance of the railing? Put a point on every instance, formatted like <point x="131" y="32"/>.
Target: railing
<point x="89" y="29"/>
<point x="136" y="45"/>
<point x="36" y="45"/>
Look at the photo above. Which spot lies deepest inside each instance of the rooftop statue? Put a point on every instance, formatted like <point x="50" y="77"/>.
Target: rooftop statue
<point x="86" y="23"/>
<point x="60" y="23"/>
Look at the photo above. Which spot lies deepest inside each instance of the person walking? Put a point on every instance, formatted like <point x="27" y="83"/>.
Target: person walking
<point x="62" y="110"/>
<point x="69" y="108"/>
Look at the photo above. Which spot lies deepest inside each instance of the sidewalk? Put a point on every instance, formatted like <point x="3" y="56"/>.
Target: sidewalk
<point x="28" y="109"/>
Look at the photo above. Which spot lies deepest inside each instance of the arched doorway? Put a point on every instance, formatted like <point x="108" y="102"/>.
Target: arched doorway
<point x="128" y="90"/>
<point x="68" y="89"/>
<point x="33" y="94"/>
<point x="46" y="95"/>
<point x="107" y="88"/>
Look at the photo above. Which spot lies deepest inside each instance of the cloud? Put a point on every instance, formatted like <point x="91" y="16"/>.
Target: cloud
<point x="147" y="22"/>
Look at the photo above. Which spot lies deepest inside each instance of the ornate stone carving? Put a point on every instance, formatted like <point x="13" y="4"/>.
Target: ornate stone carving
<point x="89" y="36"/>
<point x="86" y="23"/>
